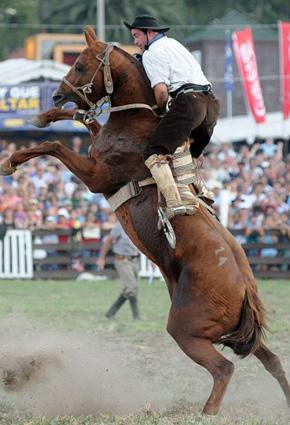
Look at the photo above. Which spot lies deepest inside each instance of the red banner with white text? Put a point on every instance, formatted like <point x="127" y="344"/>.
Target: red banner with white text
<point x="247" y="64"/>
<point x="284" y="36"/>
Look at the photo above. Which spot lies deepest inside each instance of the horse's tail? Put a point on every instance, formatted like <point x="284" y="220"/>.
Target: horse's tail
<point x="251" y="329"/>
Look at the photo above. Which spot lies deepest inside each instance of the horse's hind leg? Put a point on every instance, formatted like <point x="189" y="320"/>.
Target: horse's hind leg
<point x="202" y="351"/>
<point x="272" y="364"/>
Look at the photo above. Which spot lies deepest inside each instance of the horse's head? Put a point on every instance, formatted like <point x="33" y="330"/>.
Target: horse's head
<point x="84" y="83"/>
<point x="101" y="70"/>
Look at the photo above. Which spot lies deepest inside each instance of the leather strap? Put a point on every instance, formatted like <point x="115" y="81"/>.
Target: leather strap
<point x="130" y="190"/>
<point x="108" y="81"/>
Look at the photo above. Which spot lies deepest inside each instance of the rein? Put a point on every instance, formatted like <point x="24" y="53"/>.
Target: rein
<point x="96" y="109"/>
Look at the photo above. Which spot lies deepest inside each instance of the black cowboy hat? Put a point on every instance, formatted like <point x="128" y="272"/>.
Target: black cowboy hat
<point x="146" y="22"/>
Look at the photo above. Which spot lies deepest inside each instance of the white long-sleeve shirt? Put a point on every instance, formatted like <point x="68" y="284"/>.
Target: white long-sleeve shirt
<point x="168" y="61"/>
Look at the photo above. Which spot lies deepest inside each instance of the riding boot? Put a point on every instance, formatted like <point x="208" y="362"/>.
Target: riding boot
<point x="134" y="307"/>
<point x="199" y="185"/>
<point x="161" y="172"/>
<point x="186" y="195"/>
<point x="115" y="306"/>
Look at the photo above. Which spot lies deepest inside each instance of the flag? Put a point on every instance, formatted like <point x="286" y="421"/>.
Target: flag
<point x="284" y="37"/>
<point x="228" y="77"/>
<point x="246" y="59"/>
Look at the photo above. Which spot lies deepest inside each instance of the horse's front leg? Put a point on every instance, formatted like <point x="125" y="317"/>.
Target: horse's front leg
<point x="90" y="171"/>
<point x="52" y="115"/>
<point x="55" y="114"/>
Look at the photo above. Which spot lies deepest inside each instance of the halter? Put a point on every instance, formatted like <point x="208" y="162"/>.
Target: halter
<point x="97" y="109"/>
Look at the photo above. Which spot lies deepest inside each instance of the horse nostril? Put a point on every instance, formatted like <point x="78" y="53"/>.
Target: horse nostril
<point x="58" y="98"/>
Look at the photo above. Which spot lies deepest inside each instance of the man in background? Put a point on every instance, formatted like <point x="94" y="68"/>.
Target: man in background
<point x="127" y="266"/>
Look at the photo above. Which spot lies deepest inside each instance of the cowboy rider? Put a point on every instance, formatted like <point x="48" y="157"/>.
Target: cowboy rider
<point x="175" y="76"/>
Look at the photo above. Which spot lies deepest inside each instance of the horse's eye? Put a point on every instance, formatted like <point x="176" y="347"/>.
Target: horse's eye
<point x="79" y="67"/>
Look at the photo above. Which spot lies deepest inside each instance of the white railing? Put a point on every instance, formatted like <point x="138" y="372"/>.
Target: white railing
<point x="16" y="255"/>
<point x="148" y="269"/>
<point x="16" y="258"/>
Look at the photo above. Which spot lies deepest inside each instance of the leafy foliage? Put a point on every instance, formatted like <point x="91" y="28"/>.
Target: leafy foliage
<point x="264" y="11"/>
<point x="73" y="15"/>
<point x="16" y="23"/>
<point x="74" y="11"/>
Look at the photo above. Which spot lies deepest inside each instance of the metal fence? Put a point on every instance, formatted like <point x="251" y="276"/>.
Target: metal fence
<point x="16" y="260"/>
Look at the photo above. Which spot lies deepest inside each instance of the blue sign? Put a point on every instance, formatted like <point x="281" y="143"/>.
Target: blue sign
<point x="229" y="76"/>
<point x="20" y="102"/>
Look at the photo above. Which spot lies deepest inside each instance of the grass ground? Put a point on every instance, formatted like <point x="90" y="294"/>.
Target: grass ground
<point x="79" y="307"/>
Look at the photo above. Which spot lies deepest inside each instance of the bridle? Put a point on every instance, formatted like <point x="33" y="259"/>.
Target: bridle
<point x="96" y="109"/>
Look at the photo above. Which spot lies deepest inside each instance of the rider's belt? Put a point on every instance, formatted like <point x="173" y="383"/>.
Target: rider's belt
<point x="191" y="88"/>
<point x="125" y="257"/>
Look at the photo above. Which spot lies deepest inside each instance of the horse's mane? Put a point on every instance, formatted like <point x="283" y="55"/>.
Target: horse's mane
<point x="139" y="74"/>
<point x="143" y="79"/>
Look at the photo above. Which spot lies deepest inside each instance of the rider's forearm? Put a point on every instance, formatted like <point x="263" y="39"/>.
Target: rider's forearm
<point x="161" y="95"/>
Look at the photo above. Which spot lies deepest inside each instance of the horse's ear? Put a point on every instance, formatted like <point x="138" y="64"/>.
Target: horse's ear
<point x="91" y="37"/>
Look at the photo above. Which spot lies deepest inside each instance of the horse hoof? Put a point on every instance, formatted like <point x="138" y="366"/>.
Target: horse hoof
<point x="209" y="412"/>
<point x="7" y="169"/>
<point x="37" y="122"/>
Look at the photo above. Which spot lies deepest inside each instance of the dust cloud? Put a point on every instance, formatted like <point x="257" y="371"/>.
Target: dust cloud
<point x="49" y="373"/>
<point x="52" y="373"/>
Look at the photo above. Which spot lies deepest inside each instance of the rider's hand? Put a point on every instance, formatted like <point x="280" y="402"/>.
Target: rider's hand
<point x="100" y="263"/>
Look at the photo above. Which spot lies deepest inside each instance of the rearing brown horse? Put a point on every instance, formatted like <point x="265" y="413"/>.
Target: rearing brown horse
<point x="212" y="289"/>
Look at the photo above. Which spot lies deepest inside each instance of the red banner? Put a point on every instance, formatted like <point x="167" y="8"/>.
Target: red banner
<point x="247" y="64"/>
<point x="284" y="35"/>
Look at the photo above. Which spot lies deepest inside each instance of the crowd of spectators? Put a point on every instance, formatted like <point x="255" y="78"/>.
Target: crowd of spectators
<point x="44" y="194"/>
<point x="256" y="180"/>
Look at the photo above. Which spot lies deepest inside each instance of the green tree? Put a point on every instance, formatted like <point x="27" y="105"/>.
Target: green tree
<point x="16" y="22"/>
<point x="34" y="16"/>
<point x="264" y="11"/>
<point x="83" y="13"/>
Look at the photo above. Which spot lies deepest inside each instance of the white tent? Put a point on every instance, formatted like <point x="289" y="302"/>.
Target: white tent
<point x="14" y="71"/>
<point x="244" y="127"/>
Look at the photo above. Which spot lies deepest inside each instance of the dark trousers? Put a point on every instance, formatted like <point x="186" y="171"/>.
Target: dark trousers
<point x="190" y="115"/>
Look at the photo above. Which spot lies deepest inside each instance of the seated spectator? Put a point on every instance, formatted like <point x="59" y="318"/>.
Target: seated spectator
<point x="91" y="234"/>
<point x="91" y="231"/>
<point x="254" y="233"/>
<point x="63" y="223"/>
<point x="60" y="192"/>
<point x="226" y="151"/>
<point x="284" y="237"/>
<point x="77" y="146"/>
<point x="268" y="147"/>
<point x="237" y="223"/>
<point x="77" y="197"/>
<point x="9" y="198"/>
<point x="41" y="178"/>
<point x="8" y="221"/>
<point x="34" y="214"/>
<point x="20" y="217"/>
<point x="50" y="238"/>
<point x="95" y="210"/>
<point x="269" y="225"/>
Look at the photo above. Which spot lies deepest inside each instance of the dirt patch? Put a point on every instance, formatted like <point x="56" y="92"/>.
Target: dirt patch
<point x="56" y="373"/>
<point x="17" y="371"/>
